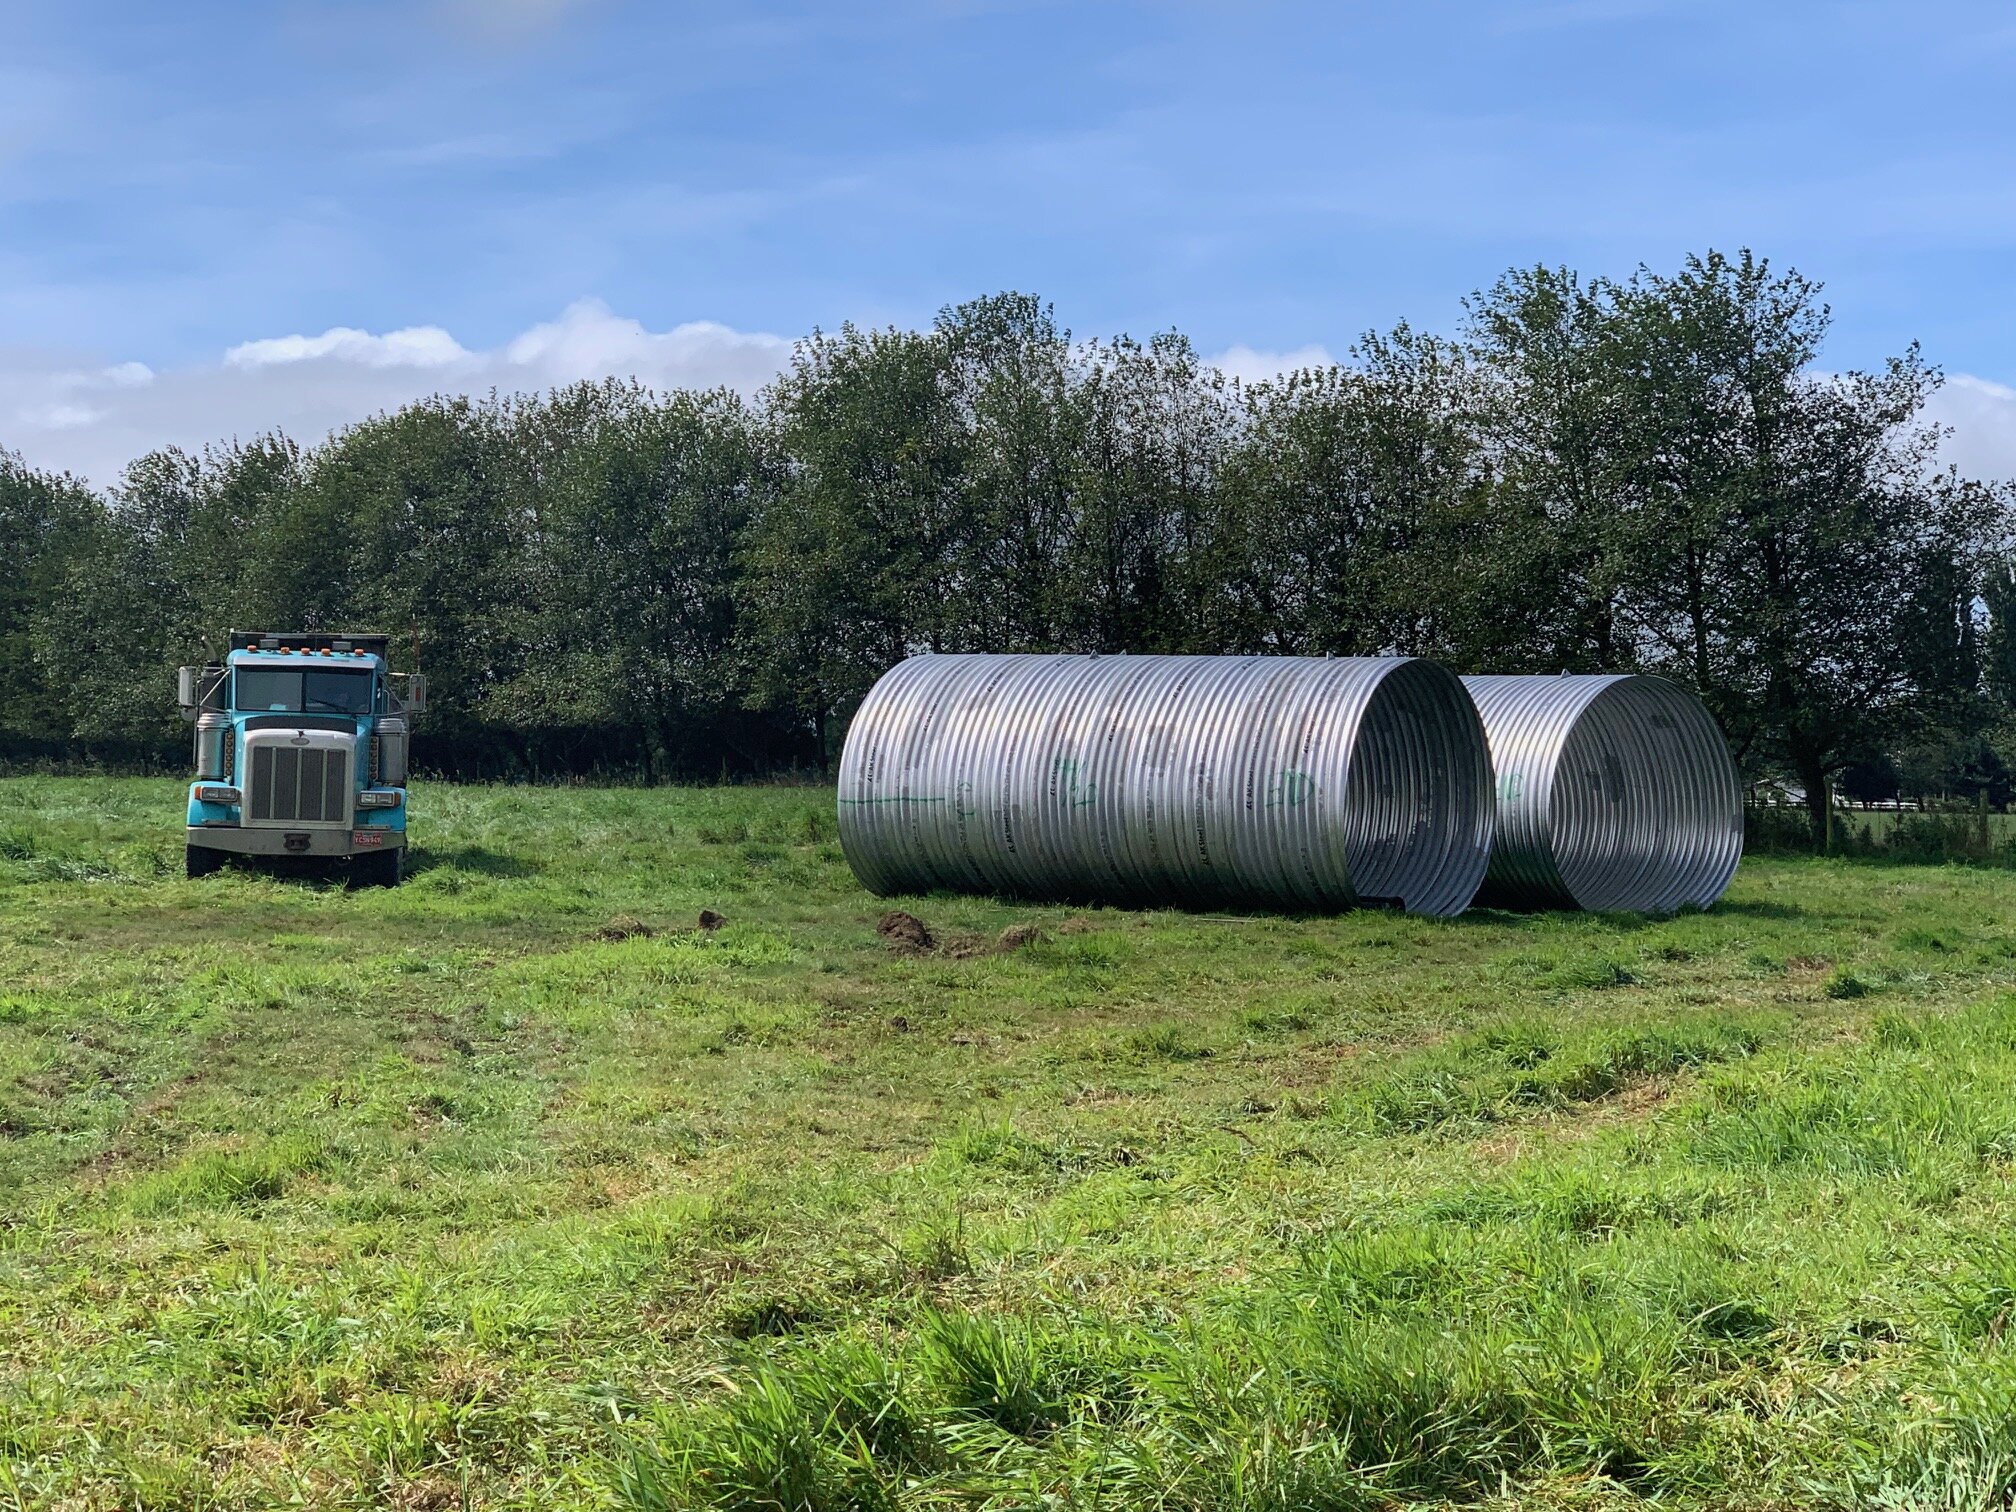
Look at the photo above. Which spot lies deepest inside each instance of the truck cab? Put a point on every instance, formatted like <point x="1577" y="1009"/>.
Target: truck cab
<point x="301" y="750"/>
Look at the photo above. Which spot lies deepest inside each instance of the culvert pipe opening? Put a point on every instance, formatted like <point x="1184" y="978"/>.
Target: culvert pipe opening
<point x="1614" y="793"/>
<point x="1200" y="781"/>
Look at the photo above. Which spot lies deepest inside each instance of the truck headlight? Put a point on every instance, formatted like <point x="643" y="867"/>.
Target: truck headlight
<point x="211" y="794"/>
<point x="378" y="798"/>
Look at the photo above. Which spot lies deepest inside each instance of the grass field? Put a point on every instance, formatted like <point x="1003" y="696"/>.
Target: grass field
<point x="514" y="1188"/>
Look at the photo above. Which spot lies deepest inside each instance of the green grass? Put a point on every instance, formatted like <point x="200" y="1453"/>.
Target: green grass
<point x="515" y="1188"/>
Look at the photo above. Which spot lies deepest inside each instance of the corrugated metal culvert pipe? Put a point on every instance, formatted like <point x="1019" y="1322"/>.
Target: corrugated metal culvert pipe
<point x="1613" y="793"/>
<point x="1210" y="781"/>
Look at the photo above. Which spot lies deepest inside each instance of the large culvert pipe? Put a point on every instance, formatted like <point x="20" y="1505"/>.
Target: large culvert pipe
<point x="1203" y="781"/>
<point x="1613" y="793"/>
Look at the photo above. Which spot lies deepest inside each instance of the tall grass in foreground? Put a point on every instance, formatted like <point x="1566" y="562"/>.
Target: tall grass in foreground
<point x="518" y="1188"/>
<point x="1542" y="1343"/>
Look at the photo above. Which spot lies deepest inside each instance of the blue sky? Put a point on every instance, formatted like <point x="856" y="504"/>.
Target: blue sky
<point x="177" y="182"/>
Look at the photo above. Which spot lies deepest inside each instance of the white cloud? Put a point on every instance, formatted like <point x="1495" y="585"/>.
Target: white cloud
<point x="1250" y="366"/>
<point x="60" y="417"/>
<point x="415" y="346"/>
<point x="93" y="418"/>
<point x="119" y="375"/>
<point x="124" y="375"/>
<point x="589" y="338"/>
<point x="1983" y="417"/>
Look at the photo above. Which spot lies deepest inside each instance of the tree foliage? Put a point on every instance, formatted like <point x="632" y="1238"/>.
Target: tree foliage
<point x="1657" y="473"/>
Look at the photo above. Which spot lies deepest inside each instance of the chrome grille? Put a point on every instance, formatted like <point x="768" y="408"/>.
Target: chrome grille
<point x="295" y="786"/>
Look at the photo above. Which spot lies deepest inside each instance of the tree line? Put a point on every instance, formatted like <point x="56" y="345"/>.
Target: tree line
<point x="1653" y="473"/>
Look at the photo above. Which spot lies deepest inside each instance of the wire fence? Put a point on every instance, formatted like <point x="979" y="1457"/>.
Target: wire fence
<point x="1969" y="833"/>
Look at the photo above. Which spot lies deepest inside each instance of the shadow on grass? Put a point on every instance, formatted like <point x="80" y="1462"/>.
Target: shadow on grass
<point x="1486" y="916"/>
<point x="318" y="872"/>
<point x="1613" y="921"/>
<point x="1239" y="911"/>
<point x="1752" y="908"/>
<point x="468" y="858"/>
<point x="325" y="872"/>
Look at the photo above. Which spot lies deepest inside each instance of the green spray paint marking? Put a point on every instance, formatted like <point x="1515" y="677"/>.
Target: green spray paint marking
<point x="1294" y="789"/>
<point x="1067" y="767"/>
<point x="1508" y="788"/>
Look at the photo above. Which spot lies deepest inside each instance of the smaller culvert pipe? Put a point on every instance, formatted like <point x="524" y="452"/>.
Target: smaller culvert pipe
<point x="1615" y="793"/>
<point x="1195" y="781"/>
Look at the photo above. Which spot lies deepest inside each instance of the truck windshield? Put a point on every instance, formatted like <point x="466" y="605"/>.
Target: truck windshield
<point x="281" y="690"/>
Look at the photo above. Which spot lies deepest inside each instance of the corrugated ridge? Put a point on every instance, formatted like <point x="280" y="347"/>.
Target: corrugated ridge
<point x="1614" y="793"/>
<point x="1220" y="781"/>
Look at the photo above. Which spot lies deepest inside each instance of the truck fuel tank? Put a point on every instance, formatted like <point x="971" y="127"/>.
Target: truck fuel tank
<point x="213" y="741"/>
<point x="391" y="742"/>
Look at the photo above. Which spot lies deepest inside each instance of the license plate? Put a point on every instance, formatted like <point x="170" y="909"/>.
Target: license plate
<point x="366" y="838"/>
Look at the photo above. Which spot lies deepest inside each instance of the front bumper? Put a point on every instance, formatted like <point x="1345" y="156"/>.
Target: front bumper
<point x="240" y="841"/>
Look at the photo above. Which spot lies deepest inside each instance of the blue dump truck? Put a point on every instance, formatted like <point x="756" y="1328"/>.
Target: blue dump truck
<point x="301" y="746"/>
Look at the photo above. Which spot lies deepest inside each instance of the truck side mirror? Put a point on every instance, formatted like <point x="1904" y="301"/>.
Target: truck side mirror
<point x="416" y="693"/>
<point x="198" y="688"/>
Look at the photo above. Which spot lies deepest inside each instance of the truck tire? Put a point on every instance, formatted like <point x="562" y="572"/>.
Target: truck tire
<point x="202" y="861"/>
<point x="377" y="868"/>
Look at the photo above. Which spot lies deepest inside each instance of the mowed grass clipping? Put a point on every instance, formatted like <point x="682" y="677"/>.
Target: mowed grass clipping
<point x="517" y="1187"/>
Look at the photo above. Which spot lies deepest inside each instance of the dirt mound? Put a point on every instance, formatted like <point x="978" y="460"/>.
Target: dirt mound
<point x="710" y="920"/>
<point x="906" y="932"/>
<point x="903" y="930"/>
